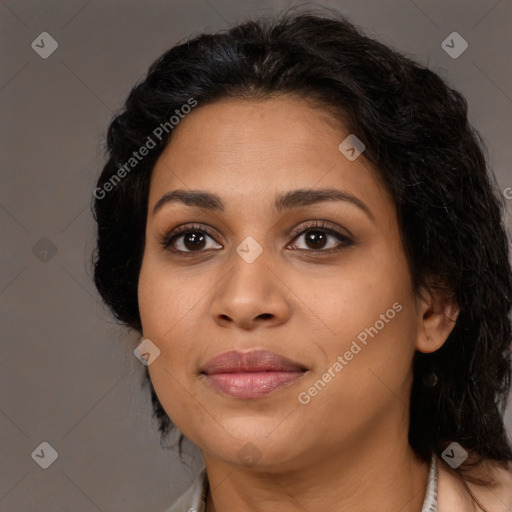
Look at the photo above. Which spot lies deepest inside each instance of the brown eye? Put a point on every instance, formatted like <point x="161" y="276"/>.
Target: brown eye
<point x="319" y="237"/>
<point x="194" y="240"/>
<point x="316" y="239"/>
<point x="189" y="239"/>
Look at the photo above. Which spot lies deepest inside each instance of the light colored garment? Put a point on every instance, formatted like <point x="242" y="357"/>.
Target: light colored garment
<point x="194" y="498"/>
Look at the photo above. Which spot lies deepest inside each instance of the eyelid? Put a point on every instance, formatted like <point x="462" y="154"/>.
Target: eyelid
<point x="326" y="225"/>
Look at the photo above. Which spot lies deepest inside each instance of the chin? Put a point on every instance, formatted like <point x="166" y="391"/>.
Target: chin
<point x="256" y="444"/>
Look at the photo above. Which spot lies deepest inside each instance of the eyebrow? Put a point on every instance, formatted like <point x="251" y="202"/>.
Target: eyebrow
<point x="287" y="201"/>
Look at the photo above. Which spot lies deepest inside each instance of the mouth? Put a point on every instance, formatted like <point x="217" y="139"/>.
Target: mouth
<point x="251" y="374"/>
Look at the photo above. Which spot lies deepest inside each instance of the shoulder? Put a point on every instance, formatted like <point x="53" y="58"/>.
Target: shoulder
<point x="499" y="497"/>
<point x="192" y="500"/>
<point x="455" y="493"/>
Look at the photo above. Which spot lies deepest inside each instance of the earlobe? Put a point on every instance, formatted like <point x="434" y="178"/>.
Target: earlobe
<point x="438" y="317"/>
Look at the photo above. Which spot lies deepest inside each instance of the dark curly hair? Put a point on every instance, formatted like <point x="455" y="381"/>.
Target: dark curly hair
<point x="419" y="140"/>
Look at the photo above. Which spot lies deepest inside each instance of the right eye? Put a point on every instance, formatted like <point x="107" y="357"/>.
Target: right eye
<point x="189" y="239"/>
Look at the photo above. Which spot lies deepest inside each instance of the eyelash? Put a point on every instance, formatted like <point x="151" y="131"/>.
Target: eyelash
<point x="321" y="226"/>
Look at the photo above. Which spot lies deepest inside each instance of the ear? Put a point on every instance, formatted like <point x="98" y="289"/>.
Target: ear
<point x="437" y="317"/>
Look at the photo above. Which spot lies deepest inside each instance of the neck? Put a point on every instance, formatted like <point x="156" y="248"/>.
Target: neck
<point x="372" y="473"/>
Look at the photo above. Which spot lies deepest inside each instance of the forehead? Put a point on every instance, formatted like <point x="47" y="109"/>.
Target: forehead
<point x="248" y="148"/>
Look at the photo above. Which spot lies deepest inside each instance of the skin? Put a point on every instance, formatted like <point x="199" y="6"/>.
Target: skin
<point x="347" y="449"/>
<point x="455" y="494"/>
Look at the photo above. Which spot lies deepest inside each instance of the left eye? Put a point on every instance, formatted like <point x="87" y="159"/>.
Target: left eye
<point x="315" y="239"/>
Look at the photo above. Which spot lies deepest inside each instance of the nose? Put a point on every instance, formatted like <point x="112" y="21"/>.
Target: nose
<point x="251" y="295"/>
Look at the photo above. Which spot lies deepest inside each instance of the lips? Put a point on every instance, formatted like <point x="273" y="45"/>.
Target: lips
<point x="251" y="374"/>
<point x="253" y="361"/>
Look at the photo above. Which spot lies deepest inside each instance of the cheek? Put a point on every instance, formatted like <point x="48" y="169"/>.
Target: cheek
<point x="363" y="295"/>
<point x="368" y="374"/>
<point x="166" y="307"/>
<point x="167" y="299"/>
<point x="373" y="324"/>
<point x="171" y="305"/>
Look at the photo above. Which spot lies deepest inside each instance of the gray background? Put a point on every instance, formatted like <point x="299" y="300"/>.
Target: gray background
<point x="68" y="374"/>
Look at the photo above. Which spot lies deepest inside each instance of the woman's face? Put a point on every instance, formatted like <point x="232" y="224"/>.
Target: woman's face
<point x="261" y="267"/>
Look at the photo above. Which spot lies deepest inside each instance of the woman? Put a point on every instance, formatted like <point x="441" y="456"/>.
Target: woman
<point x="300" y="223"/>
